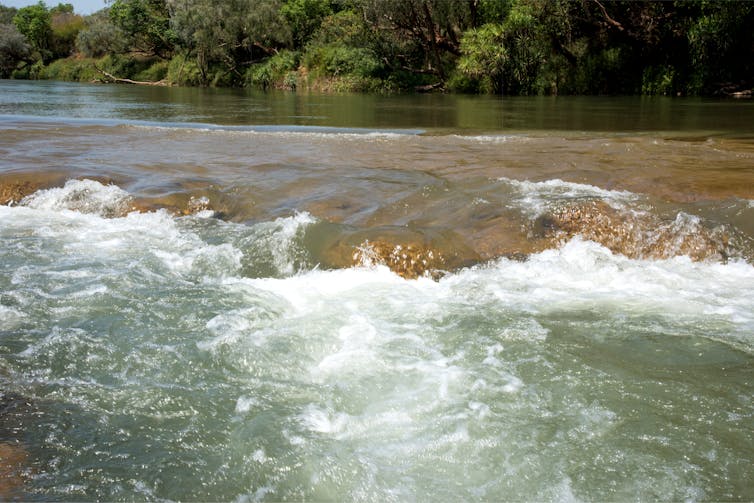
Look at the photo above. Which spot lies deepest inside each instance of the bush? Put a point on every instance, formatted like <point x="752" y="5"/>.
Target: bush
<point x="658" y="80"/>
<point x="345" y="27"/>
<point x="183" y="71"/>
<point x="278" y="71"/>
<point x="71" y="69"/>
<point x="123" y="66"/>
<point x="156" y="72"/>
<point x="462" y="83"/>
<point x="338" y="60"/>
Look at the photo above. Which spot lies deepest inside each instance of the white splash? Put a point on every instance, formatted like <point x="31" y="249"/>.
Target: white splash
<point x="84" y="196"/>
<point x="537" y="197"/>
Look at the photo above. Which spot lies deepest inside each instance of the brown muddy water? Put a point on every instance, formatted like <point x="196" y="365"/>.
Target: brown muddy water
<point x="212" y="294"/>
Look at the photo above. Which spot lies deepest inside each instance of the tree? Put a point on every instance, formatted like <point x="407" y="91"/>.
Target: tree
<point x="721" y="46"/>
<point x="146" y="23"/>
<point x="426" y="33"/>
<point x="508" y="56"/>
<point x="13" y="49"/>
<point x="232" y="34"/>
<point x="484" y="56"/>
<point x="304" y="17"/>
<point x="35" y="23"/>
<point x="100" y="36"/>
<point x="7" y="14"/>
<point x="62" y="8"/>
<point x="65" y="28"/>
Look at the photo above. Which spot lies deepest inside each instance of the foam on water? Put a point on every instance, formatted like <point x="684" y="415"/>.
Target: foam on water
<point x="217" y="351"/>
<point x="536" y="198"/>
<point x="291" y="131"/>
<point x="85" y="196"/>
<point x="493" y="139"/>
<point x="585" y="272"/>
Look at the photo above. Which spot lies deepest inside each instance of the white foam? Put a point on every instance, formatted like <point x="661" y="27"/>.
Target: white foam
<point x="493" y="139"/>
<point x="356" y="350"/>
<point x="585" y="275"/>
<point x="132" y="241"/>
<point x="324" y="421"/>
<point x="282" y="244"/>
<point x="259" y="456"/>
<point x="306" y="133"/>
<point x="305" y="292"/>
<point x="85" y="196"/>
<point x="537" y="197"/>
<point x="232" y="326"/>
<point x="244" y="404"/>
<point x="579" y="275"/>
<point x="276" y="243"/>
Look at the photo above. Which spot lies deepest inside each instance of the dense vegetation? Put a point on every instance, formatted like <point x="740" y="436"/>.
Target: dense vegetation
<point x="491" y="46"/>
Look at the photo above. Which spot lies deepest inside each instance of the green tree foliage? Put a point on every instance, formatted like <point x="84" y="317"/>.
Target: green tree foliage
<point x="7" y="14"/>
<point x="423" y="36"/>
<point x="62" y="8"/>
<point x="484" y="56"/>
<point x="304" y="17"/>
<point x="498" y="46"/>
<point x="100" y="37"/>
<point x="35" y="23"/>
<point x="65" y="28"/>
<point x="230" y="35"/>
<point x="13" y="49"/>
<point x="146" y="23"/>
<point x="721" y="45"/>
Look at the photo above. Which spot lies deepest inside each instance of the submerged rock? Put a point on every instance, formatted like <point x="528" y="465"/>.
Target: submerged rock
<point x="13" y="192"/>
<point x="15" y="412"/>
<point x="178" y="205"/>
<point x="409" y="261"/>
<point x="96" y="195"/>
<point x="410" y="253"/>
<point x="637" y="235"/>
<point x="13" y="470"/>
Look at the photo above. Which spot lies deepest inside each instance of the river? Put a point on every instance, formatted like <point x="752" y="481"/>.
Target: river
<point x="221" y="295"/>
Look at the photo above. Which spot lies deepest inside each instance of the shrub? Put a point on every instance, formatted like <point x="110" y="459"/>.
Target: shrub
<point x="71" y="69"/>
<point x="124" y="66"/>
<point x="156" y="72"/>
<point x="277" y="71"/>
<point x="658" y="80"/>
<point x="337" y="60"/>
<point x="184" y="71"/>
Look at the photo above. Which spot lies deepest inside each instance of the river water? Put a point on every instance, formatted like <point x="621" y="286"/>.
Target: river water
<point x="216" y="295"/>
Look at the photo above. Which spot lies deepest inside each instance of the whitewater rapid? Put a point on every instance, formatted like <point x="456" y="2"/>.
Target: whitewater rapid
<point x="153" y="345"/>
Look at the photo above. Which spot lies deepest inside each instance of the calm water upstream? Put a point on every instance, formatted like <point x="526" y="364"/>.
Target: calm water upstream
<point x="216" y="295"/>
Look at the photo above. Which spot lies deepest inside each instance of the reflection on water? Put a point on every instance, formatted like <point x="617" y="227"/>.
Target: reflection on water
<point x="433" y="111"/>
<point x="410" y="298"/>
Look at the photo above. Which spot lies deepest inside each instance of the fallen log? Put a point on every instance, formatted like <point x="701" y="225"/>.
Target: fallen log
<point x="428" y="88"/>
<point x="119" y="80"/>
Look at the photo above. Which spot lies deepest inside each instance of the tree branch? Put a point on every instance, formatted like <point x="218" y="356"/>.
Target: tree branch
<point x="607" y="16"/>
<point x="129" y="81"/>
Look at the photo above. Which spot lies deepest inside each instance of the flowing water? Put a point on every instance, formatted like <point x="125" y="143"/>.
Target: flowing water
<point x="215" y="295"/>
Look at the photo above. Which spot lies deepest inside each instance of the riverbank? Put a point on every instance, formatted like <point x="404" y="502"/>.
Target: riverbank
<point x="519" y="47"/>
<point x="279" y="73"/>
<point x="275" y="74"/>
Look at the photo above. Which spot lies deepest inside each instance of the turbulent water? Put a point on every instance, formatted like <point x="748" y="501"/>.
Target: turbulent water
<point x="217" y="296"/>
